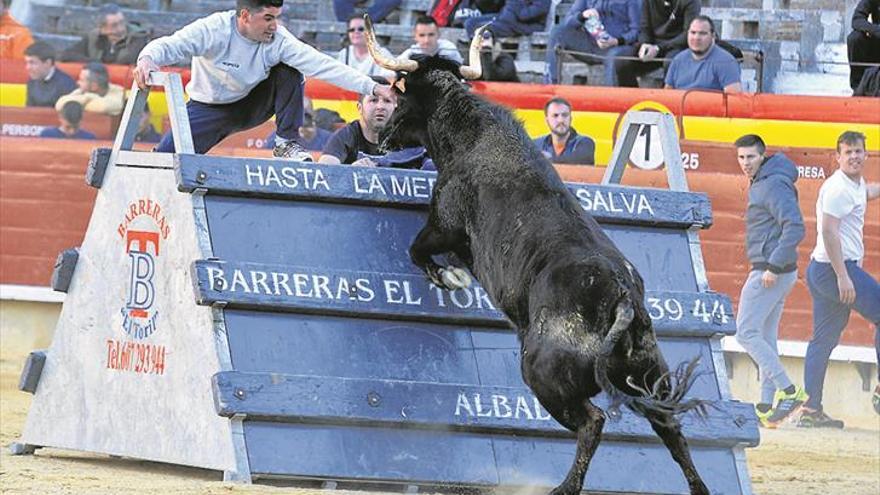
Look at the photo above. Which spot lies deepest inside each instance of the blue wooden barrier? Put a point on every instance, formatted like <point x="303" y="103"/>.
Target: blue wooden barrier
<point x="339" y="343"/>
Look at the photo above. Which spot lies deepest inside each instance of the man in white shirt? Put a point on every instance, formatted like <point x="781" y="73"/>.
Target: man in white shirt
<point x="356" y="55"/>
<point x="428" y="42"/>
<point x="245" y="68"/>
<point x="837" y="282"/>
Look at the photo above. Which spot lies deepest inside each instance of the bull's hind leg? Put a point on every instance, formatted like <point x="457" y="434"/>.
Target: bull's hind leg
<point x="668" y="429"/>
<point x="430" y="242"/>
<point x="588" y="423"/>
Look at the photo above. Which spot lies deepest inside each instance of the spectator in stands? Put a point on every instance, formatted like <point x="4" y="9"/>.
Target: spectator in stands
<point x="428" y="41"/>
<point x="245" y="68"/>
<point x="837" y="282"/>
<point x="516" y="18"/>
<point x="14" y="38"/>
<point x="863" y="43"/>
<point x="378" y="11"/>
<point x="358" y="142"/>
<point x="497" y="65"/>
<point x="329" y="120"/>
<point x="774" y="228"/>
<point x="146" y="132"/>
<point x="564" y="144"/>
<point x="95" y="92"/>
<point x="46" y="83"/>
<point x="114" y="41"/>
<point x="474" y="8"/>
<point x="661" y="34"/>
<point x="703" y="65"/>
<point x="69" y="116"/>
<point x="356" y="54"/>
<point x="620" y="22"/>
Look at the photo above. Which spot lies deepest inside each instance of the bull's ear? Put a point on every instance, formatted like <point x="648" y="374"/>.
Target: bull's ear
<point x="400" y="84"/>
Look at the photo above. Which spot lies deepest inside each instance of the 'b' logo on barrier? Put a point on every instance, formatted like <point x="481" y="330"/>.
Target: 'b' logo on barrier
<point x="139" y="317"/>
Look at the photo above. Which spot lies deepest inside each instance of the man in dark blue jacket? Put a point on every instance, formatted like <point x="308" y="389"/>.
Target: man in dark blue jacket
<point x="564" y="144"/>
<point x="619" y="21"/>
<point x="517" y="18"/>
<point x="46" y="83"/>
<point x="774" y="228"/>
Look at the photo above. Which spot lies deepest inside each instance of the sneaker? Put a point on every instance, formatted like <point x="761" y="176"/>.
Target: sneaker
<point x="787" y="404"/>
<point x="763" y="418"/>
<point x="875" y="400"/>
<point x="292" y="150"/>
<point x="817" y="419"/>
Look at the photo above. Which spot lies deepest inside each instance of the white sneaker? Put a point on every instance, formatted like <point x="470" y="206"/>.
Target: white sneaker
<point x="292" y="150"/>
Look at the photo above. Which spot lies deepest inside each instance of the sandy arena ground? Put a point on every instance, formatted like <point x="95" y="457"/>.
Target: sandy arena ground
<point x="788" y="461"/>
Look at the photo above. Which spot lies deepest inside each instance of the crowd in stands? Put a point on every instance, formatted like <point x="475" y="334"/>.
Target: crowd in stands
<point x="629" y="38"/>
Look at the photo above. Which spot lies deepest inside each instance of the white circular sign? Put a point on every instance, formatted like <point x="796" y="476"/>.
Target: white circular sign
<point x="647" y="153"/>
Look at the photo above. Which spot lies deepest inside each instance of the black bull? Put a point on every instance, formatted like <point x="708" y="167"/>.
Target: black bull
<point x="576" y="302"/>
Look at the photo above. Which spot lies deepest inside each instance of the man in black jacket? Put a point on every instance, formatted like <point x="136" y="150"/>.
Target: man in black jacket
<point x="863" y="43"/>
<point x="662" y="34"/>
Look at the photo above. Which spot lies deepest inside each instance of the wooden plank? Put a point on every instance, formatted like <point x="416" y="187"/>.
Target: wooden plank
<point x="273" y="287"/>
<point x="477" y="409"/>
<point x="271" y="178"/>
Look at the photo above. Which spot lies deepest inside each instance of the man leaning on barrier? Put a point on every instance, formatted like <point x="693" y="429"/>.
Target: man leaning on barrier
<point x="616" y="26"/>
<point x="245" y="68"/>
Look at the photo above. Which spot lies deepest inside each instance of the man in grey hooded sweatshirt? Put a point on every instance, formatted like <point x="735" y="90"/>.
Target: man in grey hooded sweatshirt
<point x="774" y="228"/>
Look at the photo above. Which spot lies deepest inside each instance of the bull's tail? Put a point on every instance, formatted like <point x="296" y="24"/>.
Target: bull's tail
<point x="664" y="397"/>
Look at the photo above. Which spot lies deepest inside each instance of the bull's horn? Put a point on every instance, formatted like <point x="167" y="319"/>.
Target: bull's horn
<point x="475" y="69"/>
<point x="383" y="61"/>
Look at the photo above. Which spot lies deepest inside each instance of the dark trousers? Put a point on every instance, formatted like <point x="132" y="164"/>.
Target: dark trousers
<point x="378" y="11"/>
<point x="628" y="70"/>
<point x="280" y="94"/>
<point x="861" y="48"/>
<point x="500" y="28"/>
<point x="578" y="40"/>
<point x="830" y="317"/>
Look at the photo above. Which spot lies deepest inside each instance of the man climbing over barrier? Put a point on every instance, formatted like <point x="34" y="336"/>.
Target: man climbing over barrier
<point x="774" y="228"/>
<point x="245" y="68"/>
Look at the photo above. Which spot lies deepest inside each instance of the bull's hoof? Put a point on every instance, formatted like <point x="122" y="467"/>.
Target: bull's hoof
<point x="566" y="489"/>
<point x="455" y="278"/>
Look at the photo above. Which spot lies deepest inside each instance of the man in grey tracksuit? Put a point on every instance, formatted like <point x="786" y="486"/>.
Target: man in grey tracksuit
<point x="774" y="227"/>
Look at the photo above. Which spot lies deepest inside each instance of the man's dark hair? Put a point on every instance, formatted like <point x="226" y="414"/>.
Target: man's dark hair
<point x="704" y="18"/>
<point x="378" y="79"/>
<point x="255" y="5"/>
<point x="98" y="74"/>
<point x="559" y="101"/>
<point x="426" y="19"/>
<point x="72" y="112"/>
<point x="750" y="140"/>
<point x="42" y="50"/>
<point x="851" y="138"/>
<point x="105" y="10"/>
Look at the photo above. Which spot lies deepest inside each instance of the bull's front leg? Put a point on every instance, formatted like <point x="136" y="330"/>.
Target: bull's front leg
<point x="429" y="242"/>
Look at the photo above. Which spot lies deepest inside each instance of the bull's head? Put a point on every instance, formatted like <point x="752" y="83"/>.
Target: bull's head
<point x="420" y="85"/>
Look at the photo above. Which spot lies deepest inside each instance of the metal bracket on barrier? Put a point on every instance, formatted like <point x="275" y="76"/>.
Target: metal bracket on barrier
<point x="65" y="265"/>
<point x="98" y="161"/>
<point x="633" y="123"/>
<point x="131" y="117"/>
<point x="30" y="374"/>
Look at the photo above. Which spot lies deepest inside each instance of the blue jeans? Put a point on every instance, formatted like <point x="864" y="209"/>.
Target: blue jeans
<point x="580" y="41"/>
<point x="280" y="94"/>
<point x="500" y="28"/>
<point x="378" y="12"/>
<point x="830" y="317"/>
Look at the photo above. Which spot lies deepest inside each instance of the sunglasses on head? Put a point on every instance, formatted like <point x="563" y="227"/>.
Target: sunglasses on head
<point x="359" y="29"/>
